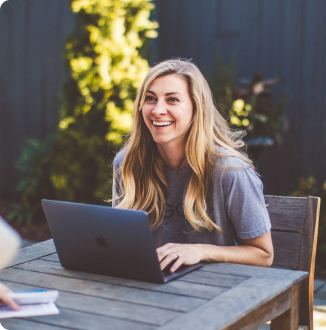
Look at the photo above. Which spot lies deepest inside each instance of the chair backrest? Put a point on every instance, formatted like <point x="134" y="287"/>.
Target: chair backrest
<point x="294" y="233"/>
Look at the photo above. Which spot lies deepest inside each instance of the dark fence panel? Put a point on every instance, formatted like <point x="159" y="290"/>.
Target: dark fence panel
<point x="280" y="38"/>
<point x="31" y="75"/>
<point x="283" y="38"/>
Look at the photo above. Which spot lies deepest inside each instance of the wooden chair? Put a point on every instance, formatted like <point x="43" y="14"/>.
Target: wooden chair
<point x="294" y="233"/>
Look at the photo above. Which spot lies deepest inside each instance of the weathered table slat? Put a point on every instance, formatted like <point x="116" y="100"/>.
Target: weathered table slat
<point x="265" y="312"/>
<point x="212" y="267"/>
<point x="233" y="269"/>
<point x="107" y="307"/>
<point x="103" y="290"/>
<point x="212" y="279"/>
<point x="67" y="319"/>
<point x="231" y="305"/>
<point x="177" y="287"/>
<point x="22" y="324"/>
<point x="33" y="252"/>
<point x="218" y="296"/>
<point x="196" y="277"/>
<point x="51" y="257"/>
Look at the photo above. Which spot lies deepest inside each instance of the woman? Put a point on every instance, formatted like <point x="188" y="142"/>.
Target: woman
<point x="183" y="165"/>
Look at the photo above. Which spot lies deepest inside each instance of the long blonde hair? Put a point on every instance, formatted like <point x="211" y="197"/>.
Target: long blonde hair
<point x="143" y="184"/>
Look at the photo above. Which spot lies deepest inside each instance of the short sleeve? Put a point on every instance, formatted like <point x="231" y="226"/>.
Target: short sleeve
<point x="116" y="186"/>
<point x="244" y="202"/>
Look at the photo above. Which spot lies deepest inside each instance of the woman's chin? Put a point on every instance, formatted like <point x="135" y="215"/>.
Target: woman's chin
<point x="160" y="139"/>
<point x="161" y="142"/>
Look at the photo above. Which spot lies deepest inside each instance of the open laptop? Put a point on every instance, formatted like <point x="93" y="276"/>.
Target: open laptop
<point x="108" y="241"/>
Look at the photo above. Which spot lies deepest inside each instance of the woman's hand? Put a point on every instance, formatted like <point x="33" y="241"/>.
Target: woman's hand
<point x="182" y="254"/>
<point x="256" y="251"/>
<point x="6" y="299"/>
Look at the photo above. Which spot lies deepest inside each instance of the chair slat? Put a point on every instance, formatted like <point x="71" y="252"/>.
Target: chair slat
<point x="307" y="260"/>
<point x="286" y="213"/>
<point x="286" y="249"/>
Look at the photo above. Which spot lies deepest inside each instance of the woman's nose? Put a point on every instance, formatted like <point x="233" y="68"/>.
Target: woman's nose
<point x="160" y="108"/>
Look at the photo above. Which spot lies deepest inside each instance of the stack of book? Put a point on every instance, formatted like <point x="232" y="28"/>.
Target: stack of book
<point x="32" y="303"/>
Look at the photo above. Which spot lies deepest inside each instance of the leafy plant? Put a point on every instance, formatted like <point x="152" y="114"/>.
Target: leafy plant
<point x="308" y="187"/>
<point x="35" y="183"/>
<point x="249" y="107"/>
<point x="105" y="69"/>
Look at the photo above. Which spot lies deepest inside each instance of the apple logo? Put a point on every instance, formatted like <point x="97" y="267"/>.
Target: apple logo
<point x="100" y="241"/>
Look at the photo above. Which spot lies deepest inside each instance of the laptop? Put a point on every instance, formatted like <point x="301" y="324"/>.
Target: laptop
<point x="107" y="241"/>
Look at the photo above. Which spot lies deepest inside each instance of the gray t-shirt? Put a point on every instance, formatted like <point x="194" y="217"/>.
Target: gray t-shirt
<point x="235" y="203"/>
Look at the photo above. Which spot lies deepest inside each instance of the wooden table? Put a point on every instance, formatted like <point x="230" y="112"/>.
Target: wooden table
<point x="218" y="296"/>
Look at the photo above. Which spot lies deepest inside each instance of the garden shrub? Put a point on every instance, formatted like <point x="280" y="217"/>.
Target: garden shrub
<point x="248" y="104"/>
<point x="105" y="68"/>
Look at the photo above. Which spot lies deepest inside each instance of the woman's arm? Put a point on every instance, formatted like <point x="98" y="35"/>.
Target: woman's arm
<point x="9" y="244"/>
<point x="256" y="251"/>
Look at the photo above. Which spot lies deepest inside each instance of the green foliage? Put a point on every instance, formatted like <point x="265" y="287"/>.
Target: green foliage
<point x="308" y="187"/>
<point x="105" y="65"/>
<point x="222" y="83"/>
<point x="105" y="69"/>
<point x="34" y="167"/>
<point x="250" y="107"/>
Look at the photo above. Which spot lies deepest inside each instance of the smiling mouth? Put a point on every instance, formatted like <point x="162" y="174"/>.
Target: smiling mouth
<point x="162" y="123"/>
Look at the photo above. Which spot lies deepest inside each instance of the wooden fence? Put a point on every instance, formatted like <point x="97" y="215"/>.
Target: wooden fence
<point x="31" y="74"/>
<point x="280" y="38"/>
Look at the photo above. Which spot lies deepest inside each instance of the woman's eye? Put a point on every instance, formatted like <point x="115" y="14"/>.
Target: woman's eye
<point x="149" y="98"/>
<point x="173" y="99"/>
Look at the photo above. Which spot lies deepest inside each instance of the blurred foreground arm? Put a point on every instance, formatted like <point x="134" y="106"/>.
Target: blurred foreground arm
<point x="9" y="244"/>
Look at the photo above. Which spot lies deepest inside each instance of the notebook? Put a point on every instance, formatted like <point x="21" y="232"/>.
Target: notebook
<point x="108" y="241"/>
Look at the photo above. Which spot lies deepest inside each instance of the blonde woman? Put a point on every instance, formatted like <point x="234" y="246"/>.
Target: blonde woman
<point x="183" y="165"/>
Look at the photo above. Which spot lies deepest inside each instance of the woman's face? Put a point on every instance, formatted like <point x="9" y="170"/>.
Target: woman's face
<point x="168" y="110"/>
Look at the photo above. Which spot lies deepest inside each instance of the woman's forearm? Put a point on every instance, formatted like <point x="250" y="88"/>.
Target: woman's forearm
<point x="242" y="254"/>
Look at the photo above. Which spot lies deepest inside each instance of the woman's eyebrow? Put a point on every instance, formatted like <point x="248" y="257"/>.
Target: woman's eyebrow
<point x="173" y="93"/>
<point x="170" y="93"/>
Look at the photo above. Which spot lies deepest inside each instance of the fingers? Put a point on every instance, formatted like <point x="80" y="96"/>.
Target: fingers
<point x="187" y="254"/>
<point x="168" y="259"/>
<point x="168" y="253"/>
<point x="176" y="265"/>
<point x="6" y="299"/>
<point x="165" y="250"/>
<point x="182" y="254"/>
<point x="10" y="302"/>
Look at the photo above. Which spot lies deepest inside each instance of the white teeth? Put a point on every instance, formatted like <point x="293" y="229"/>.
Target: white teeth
<point x="162" y="123"/>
